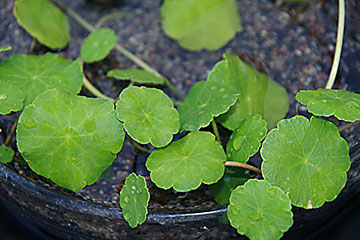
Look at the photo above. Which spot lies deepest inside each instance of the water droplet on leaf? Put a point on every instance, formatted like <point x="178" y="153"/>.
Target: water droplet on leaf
<point x="235" y="211"/>
<point x="3" y="96"/>
<point x="126" y="199"/>
<point x="29" y="123"/>
<point x="133" y="188"/>
<point x="128" y="216"/>
<point x="272" y="193"/>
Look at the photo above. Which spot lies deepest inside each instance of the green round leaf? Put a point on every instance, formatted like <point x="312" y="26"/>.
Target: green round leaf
<point x="199" y="24"/>
<point x="44" y="21"/>
<point x="258" y="93"/>
<point x="326" y="102"/>
<point x="232" y="178"/>
<point x="35" y="74"/>
<point x="11" y="98"/>
<point x="187" y="162"/>
<point x="98" y="45"/>
<point x="6" y="154"/>
<point x="205" y="101"/>
<point x="148" y="115"/>
<point x="69" y="139"/>
<point x="136" y="76"/>
<point x="134" y="199"/>
<point x="3" y="49"/>
<point x="309" y="160"/>
<point x="259" y="210"/>
<point x="245" y="141"/>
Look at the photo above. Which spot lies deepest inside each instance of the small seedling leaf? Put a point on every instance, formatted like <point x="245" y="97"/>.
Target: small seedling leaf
<point x="70" y="139"/>
<point x="148" y="114"/>
<point x="259" y="210"/>
<point x="134" y="199"/>
<point x="3" y="49"/>
<point x="187" y="162"/>
<point x="258" y="93"/>
<point x="98" y="45"/>
<point x="326" y="102"/>
<point x="232" y="178"/>
<point x="205" y="101"/>
<point x="6" y="154"/>
<point x="308" y="160"/>
<point x="136" y="76"/>
<point x="245" y="141"/>
<point x="44" y="21"/>
<point x="36" y="74"/>
<point x="201" y="24"/>
<point x="11" y="98"/>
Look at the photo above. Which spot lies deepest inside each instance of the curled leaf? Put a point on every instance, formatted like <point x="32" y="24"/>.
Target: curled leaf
<point x="136" y="76"/>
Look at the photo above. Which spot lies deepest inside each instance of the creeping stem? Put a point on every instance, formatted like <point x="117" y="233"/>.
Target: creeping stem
<point x="242" y="165"/>
<point x="121" y="49"/>
<point x="339" y="43"/>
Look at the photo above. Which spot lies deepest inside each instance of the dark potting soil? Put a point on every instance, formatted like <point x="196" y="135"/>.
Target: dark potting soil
<point x="293" y="44"/>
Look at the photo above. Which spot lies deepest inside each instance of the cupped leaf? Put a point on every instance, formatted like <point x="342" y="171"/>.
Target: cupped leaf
<point x="98" y="45"/>
<point x="6" y="154"/>
<point x="44" y="21"/>
<point x="326" y="102"/>
<point x="258" y="93"/>
<point x="148" y="115"/>
<point x="245" y="141"/>
<point x="35" y="74"/>
<point x="199" y="24"/>
<point x="187" y="162"/>
<point x="205" y="101"/>
<point x="69" y="139"/>
<point x="136" y="76"/>
<point x="259" y="210"/>
<point x="11" y="98"/>
<point x="134" y="199"/>
<point x="3" y="49"/>
<point x="232" y="178"/>
<point x="309" y="160"/>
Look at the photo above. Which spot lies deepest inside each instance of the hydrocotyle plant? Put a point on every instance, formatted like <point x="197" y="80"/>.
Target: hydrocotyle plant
<point x="59" y="133"/>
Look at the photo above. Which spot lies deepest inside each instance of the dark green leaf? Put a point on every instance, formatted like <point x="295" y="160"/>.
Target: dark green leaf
<point x="69" y="139"/>
<point x="326" y="102"/>
<point x="259" y="210"/>
<point x="134" y="199"/>
<point x="308" y="160"/>
<point x="187" y="162"/>
<point x="6" y="154"/>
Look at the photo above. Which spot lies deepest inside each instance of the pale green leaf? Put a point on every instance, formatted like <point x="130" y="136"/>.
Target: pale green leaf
<point x="134" y="199"/>
<point x="70" y="139"/>
<point x="187" y="162"/>
<point x="258" y="93"/>
<point x="205" y="101"/>
<point x="148" y="114"/>
<point x="326" y="102"/>
<point x="136" y="76"/>
<point x="259" y="210"/>
<point x="309" y="160"/>
<point x="11" y="98"/>
<point x="35" y="74"/>
<point x="98" y="45"/>
<point x="199" y="24"/>
<point x="245" y="141"/>
<point x="232" y="178"/>
<point x="44" y="21"/>
<point x="6" y="154"/>
<point x="3" y="49"/>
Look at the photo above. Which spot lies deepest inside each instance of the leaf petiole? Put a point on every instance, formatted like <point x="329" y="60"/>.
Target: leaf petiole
<point x="216" y="131"/>
<point x="242" y="165"/>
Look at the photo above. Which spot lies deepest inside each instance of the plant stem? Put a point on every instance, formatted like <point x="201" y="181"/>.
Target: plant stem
<point x="338" y="48"/>
<point x="108" y="17"/>
<point x="121" y="49"/>
<point x="242" y="165"/>
<point x="347" y="125"/>
<point x="94" y="90"/>
<point x="216" y="131"/>
<point x="11" y="133"/>
<point x="138" y="146"/>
